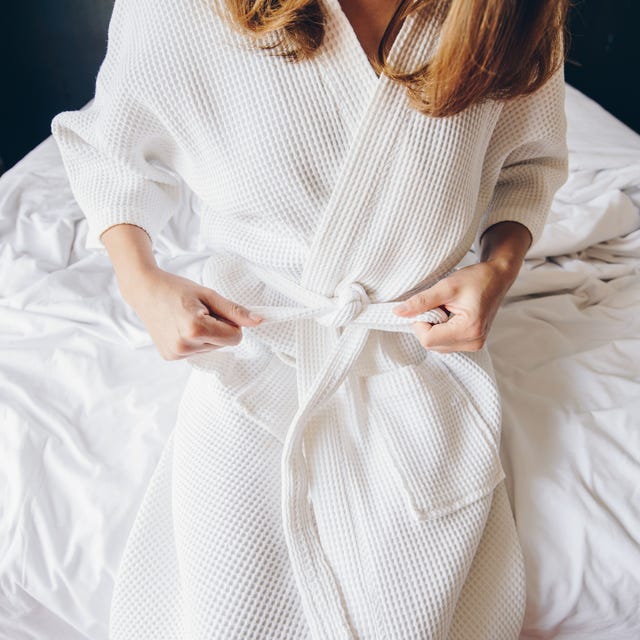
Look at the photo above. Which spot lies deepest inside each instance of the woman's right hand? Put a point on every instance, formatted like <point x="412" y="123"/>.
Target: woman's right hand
<point x="181" y="316"/>
<point x="184" y="317"/>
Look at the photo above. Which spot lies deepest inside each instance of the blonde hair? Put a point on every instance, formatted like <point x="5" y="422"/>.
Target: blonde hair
<point x="487" y="49"/>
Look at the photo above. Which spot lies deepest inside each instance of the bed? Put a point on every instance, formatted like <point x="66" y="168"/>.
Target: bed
<point x="87" y="403"/>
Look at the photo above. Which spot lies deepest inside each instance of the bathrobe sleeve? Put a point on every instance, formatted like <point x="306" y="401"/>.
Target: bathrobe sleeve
<point x="530" y="141"/>
<point x="118" y="153"/>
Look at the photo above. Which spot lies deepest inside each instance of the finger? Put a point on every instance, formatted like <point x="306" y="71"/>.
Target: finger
<point x="451" y="334"/>
<point x="227" y="309"/>
<point x="205" y="328"/>
<point x="218" y="332"/>
<point x="460" y="346"/>
<point x="435" y="296"/>
<point x="210" y="347"/>
<point x="455" y="348"/>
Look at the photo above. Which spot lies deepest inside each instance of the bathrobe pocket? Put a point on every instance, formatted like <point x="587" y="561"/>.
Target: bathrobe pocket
<point x="440" y="421"/>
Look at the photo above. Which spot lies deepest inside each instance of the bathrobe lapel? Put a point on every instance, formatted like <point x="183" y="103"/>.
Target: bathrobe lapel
<point x="371" y="247"/>
<point x="328" y="394"/>
<point x="373" y="107"/>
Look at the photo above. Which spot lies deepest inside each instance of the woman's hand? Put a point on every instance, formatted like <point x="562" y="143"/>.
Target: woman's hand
<point x="181" y="316"/>
<point x="184" y="317"/>
<point x="473" y="294"/>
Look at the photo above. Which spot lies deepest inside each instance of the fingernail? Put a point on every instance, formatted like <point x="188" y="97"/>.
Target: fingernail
<point x="254" y="316"/>
<point x="401" y="308"/>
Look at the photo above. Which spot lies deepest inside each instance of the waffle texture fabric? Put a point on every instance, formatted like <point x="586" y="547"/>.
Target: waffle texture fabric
<point x="327" y="477"/>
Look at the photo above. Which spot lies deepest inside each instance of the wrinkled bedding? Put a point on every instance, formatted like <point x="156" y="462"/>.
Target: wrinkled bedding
<point x="87" y="403"/>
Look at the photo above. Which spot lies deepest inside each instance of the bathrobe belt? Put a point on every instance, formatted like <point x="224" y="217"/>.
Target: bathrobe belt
<point x="350" y="310"/>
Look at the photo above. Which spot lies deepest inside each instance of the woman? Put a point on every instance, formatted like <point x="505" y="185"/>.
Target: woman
<point x="334" y="471"/>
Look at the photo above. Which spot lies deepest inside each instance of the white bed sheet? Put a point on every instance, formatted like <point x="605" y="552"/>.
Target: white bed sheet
<point x="87" y="403"/>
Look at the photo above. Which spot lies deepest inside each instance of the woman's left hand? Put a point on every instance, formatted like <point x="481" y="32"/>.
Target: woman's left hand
<point x="473" y="295"/>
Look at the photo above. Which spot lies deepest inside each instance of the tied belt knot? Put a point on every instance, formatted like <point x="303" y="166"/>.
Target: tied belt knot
<point x="352" y="315"/>
<point x="350" y="300"/>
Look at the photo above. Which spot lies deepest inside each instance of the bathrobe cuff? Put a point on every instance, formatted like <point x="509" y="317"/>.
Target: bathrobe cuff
<point x="534" y="159"/>
<point x="119" y="156"/>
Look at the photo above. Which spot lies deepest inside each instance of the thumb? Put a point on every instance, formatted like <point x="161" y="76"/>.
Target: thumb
<point x="435" y="296"/>
<point x="228" y="309"/>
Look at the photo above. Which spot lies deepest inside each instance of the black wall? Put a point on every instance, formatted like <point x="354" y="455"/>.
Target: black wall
<point x="604" y="58"/>
<point x="50" y="51"/>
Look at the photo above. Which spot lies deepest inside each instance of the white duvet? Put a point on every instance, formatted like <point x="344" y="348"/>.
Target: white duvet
<point x="86" y="402"/>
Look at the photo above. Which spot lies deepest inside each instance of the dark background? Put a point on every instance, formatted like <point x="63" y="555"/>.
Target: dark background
<point x="50" y="52"/>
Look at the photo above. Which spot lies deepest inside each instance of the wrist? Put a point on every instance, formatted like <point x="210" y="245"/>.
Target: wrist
<point x="136" y="282"/>
<point x="507" y="266"/>
<point x="504" y="245"/>
<point x="130" y="250"/>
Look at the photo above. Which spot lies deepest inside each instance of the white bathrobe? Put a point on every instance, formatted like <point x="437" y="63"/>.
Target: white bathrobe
<point x="325" y="200"/>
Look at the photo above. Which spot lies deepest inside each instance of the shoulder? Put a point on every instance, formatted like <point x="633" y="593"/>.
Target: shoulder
<point x="534" y="117"/>
<point x="165" y="26"/>
<point x="159" y="45"/>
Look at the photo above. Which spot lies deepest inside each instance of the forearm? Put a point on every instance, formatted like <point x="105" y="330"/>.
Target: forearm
<point x="129" y="249"/>
<point x="505" y="244"/>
